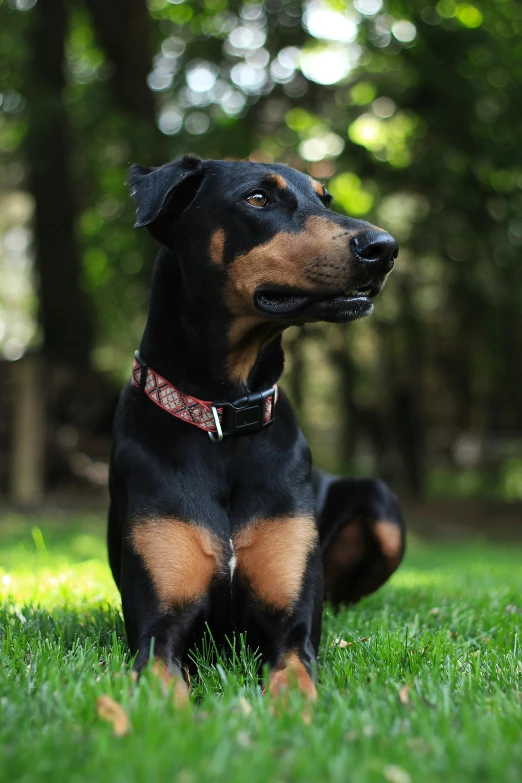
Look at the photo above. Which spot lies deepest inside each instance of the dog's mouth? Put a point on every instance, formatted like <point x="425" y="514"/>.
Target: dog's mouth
<point x="290" y="303"/>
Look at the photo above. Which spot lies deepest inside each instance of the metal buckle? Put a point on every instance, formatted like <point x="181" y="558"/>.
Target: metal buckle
<point x="218" y="426"/>
<point x="247" y="414"/>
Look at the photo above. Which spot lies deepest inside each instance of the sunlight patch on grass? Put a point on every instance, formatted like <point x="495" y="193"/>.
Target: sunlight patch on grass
<point x="61" y="585"/>
<point x="54" y="564"/>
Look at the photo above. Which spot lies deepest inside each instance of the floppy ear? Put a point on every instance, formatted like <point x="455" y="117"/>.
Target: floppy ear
<point x="167" y="189"/>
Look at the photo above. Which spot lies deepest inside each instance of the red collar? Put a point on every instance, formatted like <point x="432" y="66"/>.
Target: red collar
<point x="248" y="414"/>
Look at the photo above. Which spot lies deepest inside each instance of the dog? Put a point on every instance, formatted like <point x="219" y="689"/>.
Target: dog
<point x="216" y="517"/>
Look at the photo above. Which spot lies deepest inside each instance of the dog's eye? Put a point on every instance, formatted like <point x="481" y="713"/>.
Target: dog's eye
<point x="257" y="199"/>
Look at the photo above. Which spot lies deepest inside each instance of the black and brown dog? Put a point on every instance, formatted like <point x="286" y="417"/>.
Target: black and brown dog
<point x="231" y="527"/>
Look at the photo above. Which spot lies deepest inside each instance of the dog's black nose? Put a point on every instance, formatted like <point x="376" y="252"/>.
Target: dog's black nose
<point x="376" y="247"/>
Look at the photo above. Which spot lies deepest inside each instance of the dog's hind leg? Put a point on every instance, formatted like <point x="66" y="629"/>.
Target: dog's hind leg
<point x="362" y="535"/>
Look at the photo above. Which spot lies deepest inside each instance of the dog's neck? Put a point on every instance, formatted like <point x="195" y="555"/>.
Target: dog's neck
<point x="187" y="340"/>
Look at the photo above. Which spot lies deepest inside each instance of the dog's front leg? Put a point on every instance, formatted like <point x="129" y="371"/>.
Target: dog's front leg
<point x="279" y="576"/>
<point x="167" y="570"/>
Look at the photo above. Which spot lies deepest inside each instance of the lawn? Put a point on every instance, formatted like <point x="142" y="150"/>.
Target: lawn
<point x="425" y="687"/>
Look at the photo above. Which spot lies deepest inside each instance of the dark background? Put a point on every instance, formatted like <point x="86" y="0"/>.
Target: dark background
<point x="410" y="111"/>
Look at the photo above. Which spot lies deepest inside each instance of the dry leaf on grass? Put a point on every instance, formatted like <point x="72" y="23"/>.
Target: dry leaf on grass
<point x="394" y="774"/>
<point x="404" y="694"/>
<point x="244" y="739"/>
<point x="111" y="711"/>
<point x="338" y="642"/>
<point x="245" y="706"/>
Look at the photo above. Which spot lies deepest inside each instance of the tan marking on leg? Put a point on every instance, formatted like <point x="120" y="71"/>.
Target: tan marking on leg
<point x="172" y="680"/>
<point x="347" y="550"/>
<point x="272" y="555"/>
<point x="217" y="244"/>
<point x="319" y="189"/>
<point x="180" y="558"/>
<point x="278" y="180"/>
<point x="292" y="673"/>
<point x="390" y="539"/>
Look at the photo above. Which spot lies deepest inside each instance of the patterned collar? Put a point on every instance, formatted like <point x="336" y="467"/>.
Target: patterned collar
<point x="247" y="414"/>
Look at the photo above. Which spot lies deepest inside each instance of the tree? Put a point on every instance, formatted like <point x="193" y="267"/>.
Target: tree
<point x="409" y="111"/>
<point x="65" y="311"/>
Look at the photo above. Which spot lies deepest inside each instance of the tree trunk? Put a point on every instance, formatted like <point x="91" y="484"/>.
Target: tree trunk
<point x="122" y="29"/>
<point x="350" y="416"/>
<point x="407" y="394"/>
<point x="65" y="315"/>
<point x="28" y="436"/>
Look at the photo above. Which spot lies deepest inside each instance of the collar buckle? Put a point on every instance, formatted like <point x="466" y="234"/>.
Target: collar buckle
<point x="247" y="414"/>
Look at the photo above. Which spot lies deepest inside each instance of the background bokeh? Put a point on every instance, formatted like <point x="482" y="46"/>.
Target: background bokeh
<point x="410" y="111"/>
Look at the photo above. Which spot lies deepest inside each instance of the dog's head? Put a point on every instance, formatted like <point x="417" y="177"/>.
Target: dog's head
<point x="266" y="237"/>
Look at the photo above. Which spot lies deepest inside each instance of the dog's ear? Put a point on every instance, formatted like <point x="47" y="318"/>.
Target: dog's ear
<point x="168" y="189"/>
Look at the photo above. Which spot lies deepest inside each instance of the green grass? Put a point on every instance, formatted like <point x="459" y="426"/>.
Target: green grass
<point x="446" y="625"/>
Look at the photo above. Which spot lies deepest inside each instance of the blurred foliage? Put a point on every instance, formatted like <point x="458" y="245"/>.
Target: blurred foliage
<point x="411" y="111"/>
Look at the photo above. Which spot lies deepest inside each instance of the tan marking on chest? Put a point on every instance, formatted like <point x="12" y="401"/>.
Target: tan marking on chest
<point x="217" y="246"/>
<point x="272" y="556"/>
<point x="180" y="558"/>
